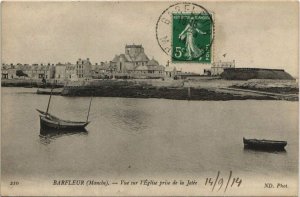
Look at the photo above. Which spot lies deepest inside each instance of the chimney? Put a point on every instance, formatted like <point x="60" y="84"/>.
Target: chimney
<point x="168" y="62"/>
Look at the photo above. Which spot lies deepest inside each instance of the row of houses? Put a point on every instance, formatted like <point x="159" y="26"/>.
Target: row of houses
<point x="34" y="71"/>
<point x="134" y="63"/>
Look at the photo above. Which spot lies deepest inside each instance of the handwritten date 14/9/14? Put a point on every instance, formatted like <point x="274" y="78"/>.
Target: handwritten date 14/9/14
<point x="219" y="181"/>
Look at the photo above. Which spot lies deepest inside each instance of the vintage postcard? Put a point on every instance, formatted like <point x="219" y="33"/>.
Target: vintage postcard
<point x="149" y="98"/>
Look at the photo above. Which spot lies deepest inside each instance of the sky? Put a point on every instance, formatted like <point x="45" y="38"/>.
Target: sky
<point x="254" y="34"/>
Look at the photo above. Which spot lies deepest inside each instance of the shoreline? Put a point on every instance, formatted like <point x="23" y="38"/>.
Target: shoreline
<point x="214" y="90"/>
<point x="29" y="83"/>
<point x="182" y="93"/>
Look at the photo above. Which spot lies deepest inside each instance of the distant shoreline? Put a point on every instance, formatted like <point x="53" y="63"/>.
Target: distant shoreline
<point x="183" y="93"/>
<point x="27" y="83"/>
<point x="214" y="90"/>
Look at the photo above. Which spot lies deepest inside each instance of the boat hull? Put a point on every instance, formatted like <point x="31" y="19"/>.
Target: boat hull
<point x="269" y="145"/>
<point x="48" y="124"/>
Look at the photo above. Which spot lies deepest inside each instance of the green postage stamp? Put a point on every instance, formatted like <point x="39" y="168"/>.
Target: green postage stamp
<point x="192" y="37"/>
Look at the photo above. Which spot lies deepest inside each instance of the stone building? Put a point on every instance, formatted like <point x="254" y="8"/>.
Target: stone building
<point x="170" y="71"/>
<point x="83" y="69"/>
<point x="39" y="71"/>
<point x="8" y="71"/>
<point x="27" y="69"/>
<point x="60" y="71"/>
<point x="218" y="67"/>
<point x="102" y="70"/>
<point x="135" y="64"/>
<point x="34" y="71"/>
<point x="71" y="72"/>
<point x="65" y="72"/>
<point x="154" y="69"/>
<point x="134" y="56"/>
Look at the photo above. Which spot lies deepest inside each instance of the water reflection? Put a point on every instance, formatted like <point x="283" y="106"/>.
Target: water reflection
<point x="131" y="115"/>
<point x="47" y="136"/>
<point x="134" y="119"/>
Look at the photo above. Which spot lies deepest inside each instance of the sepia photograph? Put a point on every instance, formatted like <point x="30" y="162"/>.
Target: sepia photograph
<point x="149" y="98"/>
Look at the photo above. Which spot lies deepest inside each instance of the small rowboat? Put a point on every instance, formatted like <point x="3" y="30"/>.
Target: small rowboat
<point x="264" y="144"/>
<point x="50" y="122"/>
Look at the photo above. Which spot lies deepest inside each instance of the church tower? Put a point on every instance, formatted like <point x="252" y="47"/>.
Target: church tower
<point x="133" y="50"/>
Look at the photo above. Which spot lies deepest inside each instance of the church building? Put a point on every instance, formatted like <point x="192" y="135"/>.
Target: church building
<point x="136" y="63"/>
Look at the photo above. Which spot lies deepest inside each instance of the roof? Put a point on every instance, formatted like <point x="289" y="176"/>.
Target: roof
<point x="37" y="67"/>
<point x="60" y="64"/>
<point x="153" y="62"/>
<point x="7" y="66"/>
<point x="133" y="46"/>
<point x="118" y="58"/>
<point x="141" y="57"/>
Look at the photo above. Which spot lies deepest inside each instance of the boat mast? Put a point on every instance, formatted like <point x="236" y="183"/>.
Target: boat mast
<point x="49" y="102"/>
<point x="87" y="118"/>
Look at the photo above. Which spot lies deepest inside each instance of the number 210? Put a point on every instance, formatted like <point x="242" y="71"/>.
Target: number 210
<point x="14" y="183"/>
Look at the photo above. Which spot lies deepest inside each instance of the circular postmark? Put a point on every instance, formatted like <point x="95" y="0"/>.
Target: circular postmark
<point x="185" y="31"/>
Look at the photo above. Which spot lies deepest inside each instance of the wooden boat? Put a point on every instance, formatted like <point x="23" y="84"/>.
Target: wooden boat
<point x="51" y="122"/>
<point x="264" y="144"/>
<point x="48" y="121"/>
